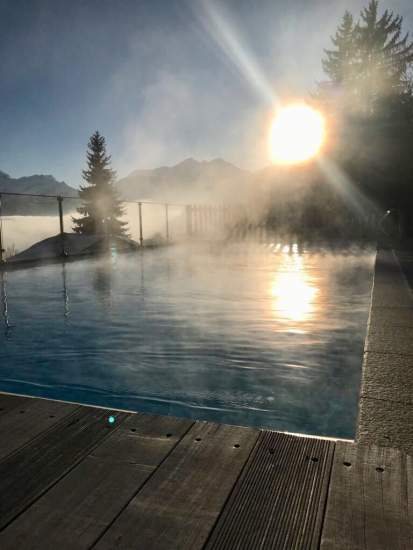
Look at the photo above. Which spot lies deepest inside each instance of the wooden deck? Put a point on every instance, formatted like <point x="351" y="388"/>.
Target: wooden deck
<point x="71" y="480"/>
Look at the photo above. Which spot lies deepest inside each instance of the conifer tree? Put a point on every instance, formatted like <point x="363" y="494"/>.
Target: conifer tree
<point x="384" y="55"/>
<point x="371" y="59"/>
<point x="371" y="67"/>
<point x="101" y="208"/>
<point x="341" y="64"/>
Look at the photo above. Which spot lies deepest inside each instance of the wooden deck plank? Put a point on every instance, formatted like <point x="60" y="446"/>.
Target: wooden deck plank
<point x="25" y="422"/>
<point x="180" y="503"/>
<point x="10" y="402"/>
<point x="278" y="501"/>
<point x="370" y="502"/>
<point x="31" y="470"/>
<point x="78" y="509"/>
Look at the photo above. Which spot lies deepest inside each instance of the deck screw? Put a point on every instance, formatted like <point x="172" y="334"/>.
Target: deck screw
<point x="133" y="429"/>
<point x="348" y="464"/>
<point x="236" y="445"/>
<point x="379" y="469"/>
<point x="168" y="435"/>
<point x="197" y="439"/>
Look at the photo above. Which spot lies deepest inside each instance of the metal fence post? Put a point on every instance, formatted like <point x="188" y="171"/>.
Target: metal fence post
<point x="166" y="222"/>
<point x="62" y="233"/>
<point x="140" y="224"/>
<point x="189" y="210"/>
<point x="195" y="219"/>
<point x="60" y="204"/>
<point x="1" y="233"/>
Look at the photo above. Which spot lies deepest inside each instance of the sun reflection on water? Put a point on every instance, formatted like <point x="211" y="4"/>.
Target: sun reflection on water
<point x="294" y="294"/>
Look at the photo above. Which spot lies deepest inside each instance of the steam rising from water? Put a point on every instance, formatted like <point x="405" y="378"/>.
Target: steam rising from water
<point x="20" y="232"/>
<point x="247" y="334"/>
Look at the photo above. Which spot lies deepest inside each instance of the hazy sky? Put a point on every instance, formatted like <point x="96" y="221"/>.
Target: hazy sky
<point x="162" y="80"/>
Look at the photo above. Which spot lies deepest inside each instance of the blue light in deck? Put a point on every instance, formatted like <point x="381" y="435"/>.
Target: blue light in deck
<point x="111" y="419"/>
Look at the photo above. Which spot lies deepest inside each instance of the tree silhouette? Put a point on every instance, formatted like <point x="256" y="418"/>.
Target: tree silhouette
<point x="385" y="55"/>
<point x="369" y="102"/>
<point x="371" y="59"/>
<point x="341" y="64"/>
<point x="101" y="208"/>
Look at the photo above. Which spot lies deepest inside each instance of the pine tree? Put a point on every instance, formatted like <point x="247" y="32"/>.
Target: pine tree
<point x="371" y="65"/>
<point x="371" y="59"/>
<point x="341" y="64"/>
<point x="101" y="208"/>
<point x="385" y="55"/>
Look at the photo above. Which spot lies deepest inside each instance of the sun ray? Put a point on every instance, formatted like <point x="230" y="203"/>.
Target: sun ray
<point x="224" y="33"/>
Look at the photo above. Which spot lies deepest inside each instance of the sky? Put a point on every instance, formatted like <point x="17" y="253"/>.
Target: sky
<point x="162" y="80"/>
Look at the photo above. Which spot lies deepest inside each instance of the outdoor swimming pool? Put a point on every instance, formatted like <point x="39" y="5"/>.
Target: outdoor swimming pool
<point x="248" y="334"/>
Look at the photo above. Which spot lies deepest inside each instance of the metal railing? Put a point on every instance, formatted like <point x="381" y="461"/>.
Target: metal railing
<point x="197" y="220"/>
<point x="152" y="222"/>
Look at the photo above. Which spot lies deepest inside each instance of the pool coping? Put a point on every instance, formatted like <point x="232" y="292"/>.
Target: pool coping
<point x="385" y="416"/>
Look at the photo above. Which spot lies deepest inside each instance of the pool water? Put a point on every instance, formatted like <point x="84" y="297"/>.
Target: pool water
<point x="248" y="334"/>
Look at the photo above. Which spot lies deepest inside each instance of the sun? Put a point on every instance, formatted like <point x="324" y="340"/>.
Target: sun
<point x="297" y="133"/>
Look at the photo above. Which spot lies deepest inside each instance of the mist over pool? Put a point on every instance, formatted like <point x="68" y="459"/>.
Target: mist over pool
<point x="267" y="335"/>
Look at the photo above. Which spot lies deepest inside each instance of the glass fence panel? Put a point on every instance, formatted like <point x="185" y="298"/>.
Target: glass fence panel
<point x="26" y="220"/>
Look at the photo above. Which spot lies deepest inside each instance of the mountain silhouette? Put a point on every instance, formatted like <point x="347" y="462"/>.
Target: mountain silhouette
<point x="36" y="184"/>
<point x="188" y="181"/>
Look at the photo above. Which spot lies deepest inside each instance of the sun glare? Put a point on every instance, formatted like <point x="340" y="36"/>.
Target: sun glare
<point x="296" y="135"/>
<point x="294" y="293"/>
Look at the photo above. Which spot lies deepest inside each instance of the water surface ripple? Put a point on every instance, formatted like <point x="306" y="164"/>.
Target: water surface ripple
<point x="260" y="335"/>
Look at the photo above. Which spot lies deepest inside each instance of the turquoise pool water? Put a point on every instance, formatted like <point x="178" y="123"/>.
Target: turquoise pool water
<point x="260" y="335"/>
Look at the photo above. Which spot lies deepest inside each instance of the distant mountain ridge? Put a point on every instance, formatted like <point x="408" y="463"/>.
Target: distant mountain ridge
<point x="36" y="184"/>
<point x="188" y="181"/>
